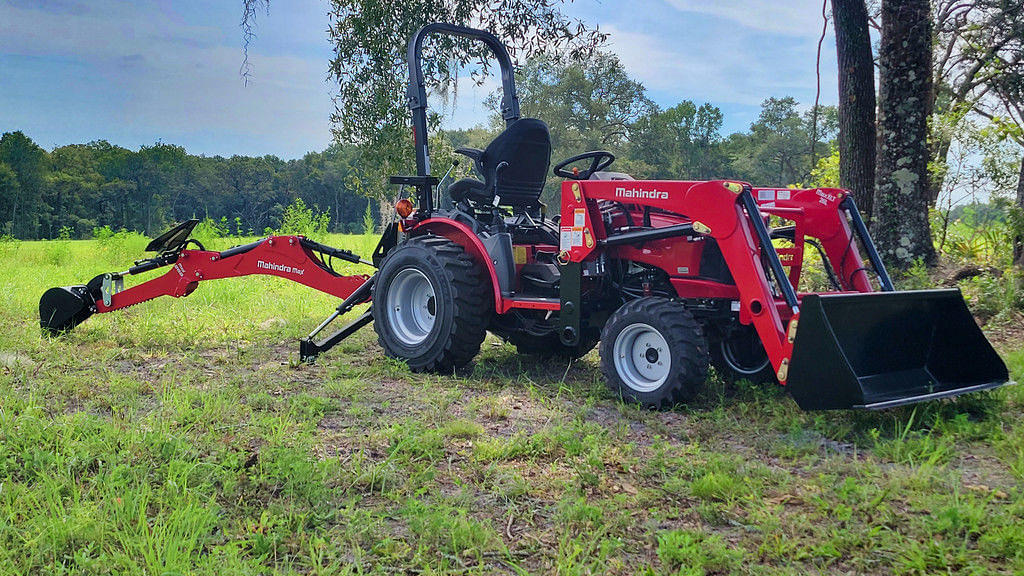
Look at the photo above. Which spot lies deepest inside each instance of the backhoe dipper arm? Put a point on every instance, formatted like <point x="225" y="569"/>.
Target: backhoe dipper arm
<point x="290" y="257"/>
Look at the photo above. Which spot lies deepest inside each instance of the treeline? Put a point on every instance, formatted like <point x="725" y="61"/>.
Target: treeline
<point x="76" y="188"/>
<point x="592" y="106"/>
<point x="79" y="187"/>
<point x="597" y="106"/>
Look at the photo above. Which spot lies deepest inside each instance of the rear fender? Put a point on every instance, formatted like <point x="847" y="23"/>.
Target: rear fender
<point x="463" y="236"/>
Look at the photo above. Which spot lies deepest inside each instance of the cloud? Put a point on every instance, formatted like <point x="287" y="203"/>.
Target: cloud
<point x="714" y="69"/>
<point x="793" y="17"/>
<point x="144" y="70"/>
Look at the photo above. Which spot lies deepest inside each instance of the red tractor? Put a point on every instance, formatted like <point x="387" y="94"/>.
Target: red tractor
<point x="668" y="276"/>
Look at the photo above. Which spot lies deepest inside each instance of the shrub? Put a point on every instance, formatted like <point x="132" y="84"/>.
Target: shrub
<point x="369" y="227"/>
<point x="58" y="251"/>
<point x="122" y="245"/>
<point x="8" y="244"/>
<point x="208" y="231"/>
<point x="991" y="296"/>
<point x="300" y="219"/>
<point x="916" y="278"/>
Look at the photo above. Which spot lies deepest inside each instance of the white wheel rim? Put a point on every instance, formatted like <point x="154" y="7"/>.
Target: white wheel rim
<point x="411" y="307"/>
<point x="642" y="358"/>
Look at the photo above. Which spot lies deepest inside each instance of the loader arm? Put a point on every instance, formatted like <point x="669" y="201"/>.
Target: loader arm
<point x="716" y="210"/>
<point x="854" y="347"/>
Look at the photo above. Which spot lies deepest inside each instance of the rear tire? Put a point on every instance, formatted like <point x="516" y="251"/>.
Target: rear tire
<point x="431" y="305"/>
<point x="653" y="352"/>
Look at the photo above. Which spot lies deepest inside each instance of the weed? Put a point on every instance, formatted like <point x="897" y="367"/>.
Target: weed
<point x="696" y="553"/>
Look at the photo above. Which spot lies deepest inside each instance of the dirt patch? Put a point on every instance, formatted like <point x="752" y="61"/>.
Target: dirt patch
<point x="1008" y="334"/>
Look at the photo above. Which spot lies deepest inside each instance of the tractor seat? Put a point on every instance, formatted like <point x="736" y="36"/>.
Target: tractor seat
<point x="525" y="146"/>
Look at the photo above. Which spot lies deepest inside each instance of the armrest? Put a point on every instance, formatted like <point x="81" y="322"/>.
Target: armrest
<point x="472" y="153"/>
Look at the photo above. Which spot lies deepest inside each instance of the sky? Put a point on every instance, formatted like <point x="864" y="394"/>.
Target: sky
<point x="135" y="73"/>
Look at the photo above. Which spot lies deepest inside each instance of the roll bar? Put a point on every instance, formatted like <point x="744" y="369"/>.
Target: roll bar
<point x="417" y="97"/>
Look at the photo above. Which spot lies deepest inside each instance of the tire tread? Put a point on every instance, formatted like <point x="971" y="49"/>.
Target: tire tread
<point x="682" y="330"/>
<point x="472" y="304"/>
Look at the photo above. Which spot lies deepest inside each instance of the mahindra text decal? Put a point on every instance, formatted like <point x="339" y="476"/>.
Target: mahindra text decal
<point x="280" y="268"/>
<point x="641" y="193"/>
<point x="825" y="197"/>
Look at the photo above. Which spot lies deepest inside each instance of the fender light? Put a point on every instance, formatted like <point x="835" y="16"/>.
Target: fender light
<point x="404" y="208"/>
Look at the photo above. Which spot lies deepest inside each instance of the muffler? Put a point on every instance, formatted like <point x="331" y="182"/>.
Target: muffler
<point x="885" y="349"/>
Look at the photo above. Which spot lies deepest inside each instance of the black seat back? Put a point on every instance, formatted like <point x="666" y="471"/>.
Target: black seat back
<point x="526" y="146"/>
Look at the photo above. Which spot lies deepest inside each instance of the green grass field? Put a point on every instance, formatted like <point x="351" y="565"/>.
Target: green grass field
<point x="183" y="437"/>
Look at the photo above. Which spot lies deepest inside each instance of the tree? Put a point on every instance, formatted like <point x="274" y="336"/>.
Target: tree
<point x="587" y="107"/>
<point x="777" y="152"/>
<point x="1018" y="239"/>
<point x="856" y="102"/>
<point x="9" y="194"/>
<point x="369" y="63"/>
<point x="996" y="48"/>
<point x="978" y="43"/>
<point x="72" y="192"/>
<point x="29" y="163"/>
<point x="683" y="142"/>
<point x="901" y="226"/>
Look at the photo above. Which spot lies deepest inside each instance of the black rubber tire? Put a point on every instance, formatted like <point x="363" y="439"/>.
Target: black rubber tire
<point x="551" y="346"/>
<point x="687" y="347"/>
<point x="757" y="371"/>
<point x="463" y="304"/>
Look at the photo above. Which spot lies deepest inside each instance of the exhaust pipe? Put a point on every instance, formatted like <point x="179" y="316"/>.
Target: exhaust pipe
<point x="885" y="349"/>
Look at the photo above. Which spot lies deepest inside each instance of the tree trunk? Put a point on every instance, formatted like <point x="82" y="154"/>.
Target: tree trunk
<point x="856" y="102"/>
<point x="900" y="227"/>
<point x="1018" y="240"/>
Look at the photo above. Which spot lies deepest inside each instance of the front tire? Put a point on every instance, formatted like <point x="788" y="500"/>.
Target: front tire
<point x="653" y="352"/>
<point x="741" y="356"/>
<point x="431" y="305"/>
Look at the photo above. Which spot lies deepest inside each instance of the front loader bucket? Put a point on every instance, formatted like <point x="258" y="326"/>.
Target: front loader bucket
<point x="63" y="308"/>
<point x="887" y="349"/>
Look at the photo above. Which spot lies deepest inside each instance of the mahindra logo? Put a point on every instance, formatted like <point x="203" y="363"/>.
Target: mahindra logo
<point x="639" y="193"/>
<point x="280" y="268"/>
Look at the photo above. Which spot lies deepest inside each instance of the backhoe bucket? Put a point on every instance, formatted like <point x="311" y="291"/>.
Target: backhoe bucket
<point x="63" y="308"/>
<point x="887" y="349"/>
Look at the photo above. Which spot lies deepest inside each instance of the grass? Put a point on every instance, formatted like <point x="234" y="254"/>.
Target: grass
<point x="183" y="437"/>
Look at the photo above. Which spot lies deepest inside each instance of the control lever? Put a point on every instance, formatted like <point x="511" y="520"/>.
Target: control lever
<point x="443" y="178"/>
<point x="499" y="221"/>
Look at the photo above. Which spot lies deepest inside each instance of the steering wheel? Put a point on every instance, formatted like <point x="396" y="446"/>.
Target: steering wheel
<point x="599" y="160"/>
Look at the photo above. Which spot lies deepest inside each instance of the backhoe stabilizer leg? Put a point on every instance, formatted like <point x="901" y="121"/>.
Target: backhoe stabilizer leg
<point x="309" y="348"/>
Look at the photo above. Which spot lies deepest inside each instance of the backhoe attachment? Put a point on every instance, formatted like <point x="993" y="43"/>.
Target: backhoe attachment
<point x="295" y="258"/>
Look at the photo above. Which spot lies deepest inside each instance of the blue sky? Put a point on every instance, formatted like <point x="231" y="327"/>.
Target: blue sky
<point x="134" y="73"/>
